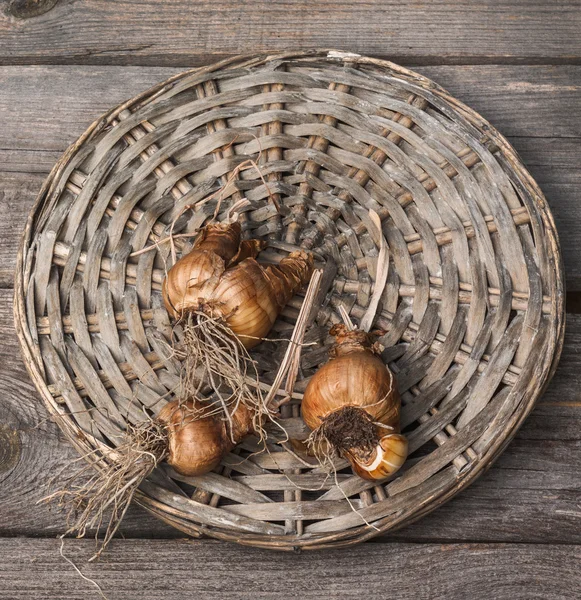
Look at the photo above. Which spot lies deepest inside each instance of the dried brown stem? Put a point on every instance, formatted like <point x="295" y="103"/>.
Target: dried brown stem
<point x="290" y="363"/>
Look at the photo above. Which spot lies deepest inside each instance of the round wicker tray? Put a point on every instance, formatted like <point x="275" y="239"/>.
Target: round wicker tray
<point x="473" y="308"/>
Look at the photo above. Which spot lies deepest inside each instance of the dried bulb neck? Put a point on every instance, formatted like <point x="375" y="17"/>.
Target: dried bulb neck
<point x="348" y="341"/>
<point x="222" y="239"/>
<point x="289" y="276"/>
<point x="243" y="423"/>
<point x="225" y="241"/>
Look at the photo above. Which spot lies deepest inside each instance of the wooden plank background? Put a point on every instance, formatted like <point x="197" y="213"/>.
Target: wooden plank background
<point x="183" y="33"/>
<point x="452" y="571"/>
<point x="516" y="532"/>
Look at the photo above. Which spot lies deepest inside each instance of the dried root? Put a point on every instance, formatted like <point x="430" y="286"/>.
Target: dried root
<point x="107" y="494"/>
<point x="349" y="428"/>
<point x="228" y="369"/>
<point x="336" y="436"/>
<point x="318" y="445"/>
<point x="374" y="449"/>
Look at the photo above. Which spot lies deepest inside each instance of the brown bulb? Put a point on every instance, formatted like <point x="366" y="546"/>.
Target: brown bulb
<point x="196" y="443"/>
<point x="221" y="277"/>
<point x="354" y="401"/>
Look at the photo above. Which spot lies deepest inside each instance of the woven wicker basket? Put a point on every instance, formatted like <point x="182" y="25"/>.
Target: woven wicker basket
<point x="473" y="306"/>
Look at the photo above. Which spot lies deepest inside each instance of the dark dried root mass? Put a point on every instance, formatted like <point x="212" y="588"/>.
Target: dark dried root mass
<point x="350" y="427"/>
<point x="105" y="497"/>
<point x="374" y="450"/>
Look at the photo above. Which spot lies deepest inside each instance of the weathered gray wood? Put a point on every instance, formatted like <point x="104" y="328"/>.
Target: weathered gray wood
<point x="49" y="109"/>
<point x="33" y="569"/>
<point x="17" y="193"/>
<point x="33" y="449"/>
<point x="538" y="107"/>
<point x="530" y="495"/>
<point x="554" y="475"/>
<point x="149" y="33"/>
<point x="45" y="108"/>
<point x="559" y="183"/>
<point x="517" y="100"/>
<point x="27" y="9"/>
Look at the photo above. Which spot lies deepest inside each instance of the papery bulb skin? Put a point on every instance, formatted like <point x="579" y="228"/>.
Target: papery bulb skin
<point x="222" y="239"/>
<point x="226" y="281"/>
<point x="217" y="247"/>
<point x="196" y="443"/>
<point x="354" y="399"/>
<point x="195" y="446"/>
<point x="250" y="297"/>
<point x="355" y="376"/>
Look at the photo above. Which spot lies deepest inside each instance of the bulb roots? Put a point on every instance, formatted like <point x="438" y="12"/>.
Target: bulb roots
<point x="349" y="429"/>
<point x="106" y="495"/>
<point x="228" y="369"/>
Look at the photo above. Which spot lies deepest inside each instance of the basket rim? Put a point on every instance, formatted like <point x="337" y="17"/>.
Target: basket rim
<point x="530" y="395"/>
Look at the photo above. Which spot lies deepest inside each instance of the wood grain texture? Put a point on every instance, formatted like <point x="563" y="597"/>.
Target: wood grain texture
<point x="17" y="194"/>
<point x="172" y="569"/>
<point x="45" y="108"/>
<point x="538" y="107"/>
<point x="186" y="33"/>
<point x="33" y="450"/>
<point x="530" y="495"/>
<point x="27" y="9"/>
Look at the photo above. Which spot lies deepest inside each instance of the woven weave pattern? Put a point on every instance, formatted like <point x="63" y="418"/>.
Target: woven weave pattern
<point x="472" y="309"/>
